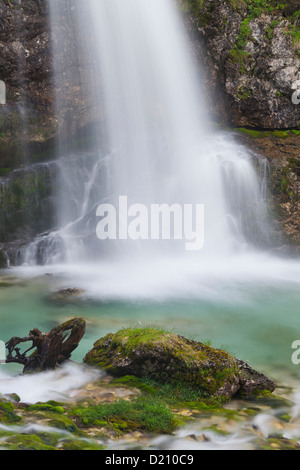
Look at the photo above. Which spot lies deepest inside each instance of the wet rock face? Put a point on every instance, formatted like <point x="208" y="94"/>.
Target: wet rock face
<point x="170" y="358"/>
<point x="252" y="61"/>
<point x="282" y="150"/>
<point x="25" y="51"/>
<point x="27" y="123"/>
<point x="28" y="206"/>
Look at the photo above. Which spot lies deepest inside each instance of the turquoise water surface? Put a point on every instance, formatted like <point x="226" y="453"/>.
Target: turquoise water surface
<point x="256" y="322"/>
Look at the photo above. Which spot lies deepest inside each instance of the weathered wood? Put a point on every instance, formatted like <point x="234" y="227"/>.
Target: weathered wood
<point x="50" y="349"/>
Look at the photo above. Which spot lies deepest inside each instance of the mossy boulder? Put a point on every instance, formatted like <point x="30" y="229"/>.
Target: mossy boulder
<point x="167" y="357"/>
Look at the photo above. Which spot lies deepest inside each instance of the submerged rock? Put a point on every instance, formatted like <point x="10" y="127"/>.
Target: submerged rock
<point x="167" y="357"/>
<point x="66" y="295"/>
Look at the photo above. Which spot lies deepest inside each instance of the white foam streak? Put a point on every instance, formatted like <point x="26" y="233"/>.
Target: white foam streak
<point x="59" y="384"/>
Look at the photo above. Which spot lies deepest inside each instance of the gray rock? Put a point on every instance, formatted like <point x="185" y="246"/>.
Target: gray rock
<point x="167" y="357"/>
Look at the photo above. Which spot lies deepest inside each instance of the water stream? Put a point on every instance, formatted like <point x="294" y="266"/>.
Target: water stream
<point x="155" y="145"/>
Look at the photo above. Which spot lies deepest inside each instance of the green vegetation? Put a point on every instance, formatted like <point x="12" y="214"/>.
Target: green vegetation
<point x="26" y="442"/>
<point x="145" y="414"/>
<point x="187" y="360"/>
<point x="46" y="407"/>
<point x="249" y="9"/>
<point x="294" y="32"/>
<point x="244" y="93"/>
<point x="270" y="30"/>
<point x="280" y="134"/>
<point x="7" y="413"/>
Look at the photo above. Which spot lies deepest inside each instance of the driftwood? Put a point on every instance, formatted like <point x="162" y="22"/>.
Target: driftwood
<point x="51" y="349"/>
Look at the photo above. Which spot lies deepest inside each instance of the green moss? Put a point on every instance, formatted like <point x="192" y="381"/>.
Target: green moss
<point x="49" y="438"/>
<point x="46" y="407"/>
<point x="269" y="34"/>
<point x="284" y="183"/>
<point x="265" y="398"/>
<point x="26" y="442"/>
<point x="244" y="93"/>
<point x="53" y="417"/>
<point x="7" y="413"/>
<point x="134" y="382"/>
<point x="238" y="56"/>
<point x="285" y="417"/>
<point x="76" y="444"/>
<point x="64" y="423"/>
<point x="145" y="414"/>
<point x="244" y="35"/>
<point x="279" y="134"/>
<point x="20" y="202"/>
<point x="216" y="430"/>
<point x="131" y="338"/>
<point x="279" y="444"/>
<point x="188" y="360"/>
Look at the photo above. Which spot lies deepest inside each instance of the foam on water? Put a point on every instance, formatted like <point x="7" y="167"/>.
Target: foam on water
<point x="59" y="384"/>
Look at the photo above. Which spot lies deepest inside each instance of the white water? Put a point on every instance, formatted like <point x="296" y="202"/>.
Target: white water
<point x="154" y="140"/>
<point x="155" y="144"/>
<point x="60" y="384"/>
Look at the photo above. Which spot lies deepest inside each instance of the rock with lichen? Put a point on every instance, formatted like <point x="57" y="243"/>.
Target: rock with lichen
<point x="167" y="357"/>
<point x="250" y="52"/>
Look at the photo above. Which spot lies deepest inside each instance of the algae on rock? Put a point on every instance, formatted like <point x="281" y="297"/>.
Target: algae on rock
<point x="167" y="357"/>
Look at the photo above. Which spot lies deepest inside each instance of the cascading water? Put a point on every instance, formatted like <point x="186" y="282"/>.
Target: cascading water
<point x="151" y="141"/>
<point x="154" y="143"/>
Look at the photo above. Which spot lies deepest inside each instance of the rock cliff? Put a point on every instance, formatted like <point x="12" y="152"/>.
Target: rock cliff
<point x="252" y="58"/>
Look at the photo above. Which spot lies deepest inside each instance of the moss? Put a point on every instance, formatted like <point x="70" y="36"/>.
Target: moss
<point x="134" y="382"/>
<point x="46" y="407"/>
<point x="21" y="201"/>
<point x="244" y="35"/>
<point x="258" y="134"/>
<point x="144" y="414"/>
<point x="216" y="430"/>
<point x="279" y="444"/>
<point x="188" y="362"/>
<point x="269" y="34"/>
<point x="64" y="423"/>
<point x="76" y="444"/>
<point x="174" y="393"/>
<point x="238" y="56"/>
<point x="244" y="93"/>
<point x="265" y="398"/>
<point x="283" y="185"/>
<point x="26" y="442"/>
<point x="7" y="413"/>
<point x="49" y="438"/>
<point x="285" y="417"/>
<point x="54" y="418"/>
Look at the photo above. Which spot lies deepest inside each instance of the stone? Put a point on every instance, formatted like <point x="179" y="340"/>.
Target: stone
<point x="66" y="295"/>
<point x="166" y="357"/>
<point x="251" y="61"/>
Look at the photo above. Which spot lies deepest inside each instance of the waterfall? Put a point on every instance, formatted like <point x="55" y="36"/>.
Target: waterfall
<point x="152" y="141"/>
